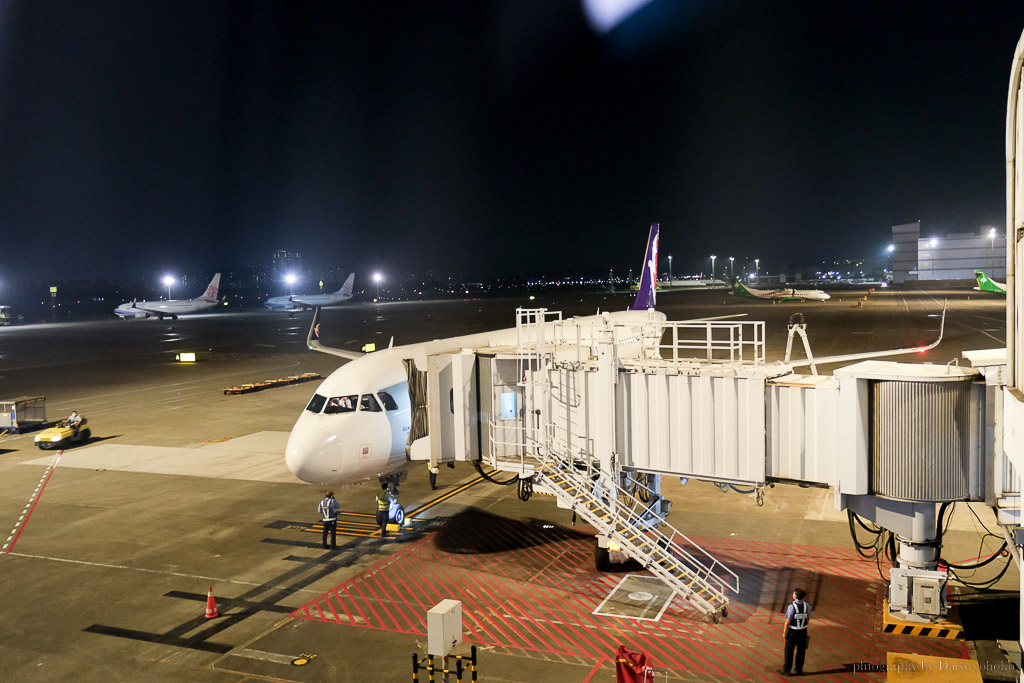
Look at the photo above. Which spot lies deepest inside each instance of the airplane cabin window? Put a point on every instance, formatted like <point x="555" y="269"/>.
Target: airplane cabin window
<point x="387" y="400"/>
<point x="316" y="404"/>
<point x="368" y="403"/>
<point x="342" y="404"/>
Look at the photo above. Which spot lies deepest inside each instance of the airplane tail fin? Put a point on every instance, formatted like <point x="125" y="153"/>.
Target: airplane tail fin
<point x="212" y="289"/>
<point x="313" y="340"/>
<point x="984" y="283"/>
<point x="645" y="295"/>
<point x="346" y="289"/>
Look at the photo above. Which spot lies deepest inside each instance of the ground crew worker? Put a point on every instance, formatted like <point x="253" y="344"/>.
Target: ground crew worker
<point x="433" y="476"/>
<point x="329" y="512"/>
<point x="795" y="633"/>
<point x="383" y="507"/>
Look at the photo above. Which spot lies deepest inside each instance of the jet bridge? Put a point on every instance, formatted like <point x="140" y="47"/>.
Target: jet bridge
<point x="597" y="412"/>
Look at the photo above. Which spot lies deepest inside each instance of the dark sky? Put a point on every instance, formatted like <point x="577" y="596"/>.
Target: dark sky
<point x="491" y="137"/>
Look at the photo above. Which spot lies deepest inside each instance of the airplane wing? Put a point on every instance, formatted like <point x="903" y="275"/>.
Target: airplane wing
<point x="867" y="355"/>
<point x="313" y="340"/>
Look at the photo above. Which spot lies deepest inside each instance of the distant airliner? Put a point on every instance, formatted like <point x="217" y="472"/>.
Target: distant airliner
<point x="173" y="307"/>
<point x="987" y="285"/>
<point x="297" y="302"/>
<point x="784" y="294"/>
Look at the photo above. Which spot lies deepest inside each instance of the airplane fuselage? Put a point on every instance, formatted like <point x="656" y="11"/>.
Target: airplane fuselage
<point x="357" y="423"/>
<point x="291" y="303"/>
<point x="162" y="309"/>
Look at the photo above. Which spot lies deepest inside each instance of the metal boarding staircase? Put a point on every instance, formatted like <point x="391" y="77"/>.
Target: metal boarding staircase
<point x="689" y="570"/>
<point x="638" y="527"/>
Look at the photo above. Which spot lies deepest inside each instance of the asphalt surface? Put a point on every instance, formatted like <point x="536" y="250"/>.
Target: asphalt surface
<point x="107" y="576"/>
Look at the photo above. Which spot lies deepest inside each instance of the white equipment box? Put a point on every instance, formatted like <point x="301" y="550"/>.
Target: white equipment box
<point x="444" y="627"/>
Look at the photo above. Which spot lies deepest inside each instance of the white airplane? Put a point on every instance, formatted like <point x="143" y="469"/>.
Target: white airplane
<point x="172" y="308"/>
<point x="356" y="426"/>
<point x="297" y="302"/>
<point x="740" y="289"/>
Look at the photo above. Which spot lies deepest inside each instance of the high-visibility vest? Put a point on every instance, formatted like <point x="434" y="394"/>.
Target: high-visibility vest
<point x="327" y="510"/>
<point x="382" y="500"/>
<point x="799" y="620"/>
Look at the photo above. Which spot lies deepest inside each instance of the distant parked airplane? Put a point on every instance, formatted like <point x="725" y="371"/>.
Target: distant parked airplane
<point x="785" y="294"/>
<point x="174" y="307"/>
<point x="296" y="302"/>
<point x="987" y="285"/>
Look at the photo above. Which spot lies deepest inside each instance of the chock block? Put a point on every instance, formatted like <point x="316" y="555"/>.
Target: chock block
<point x="949" y="628"/>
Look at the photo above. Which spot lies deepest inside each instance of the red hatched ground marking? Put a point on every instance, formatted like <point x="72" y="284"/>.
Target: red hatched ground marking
<point x="540" y="594"/>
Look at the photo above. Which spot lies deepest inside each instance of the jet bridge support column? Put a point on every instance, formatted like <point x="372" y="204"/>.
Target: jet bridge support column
<point x="604" y="394"/>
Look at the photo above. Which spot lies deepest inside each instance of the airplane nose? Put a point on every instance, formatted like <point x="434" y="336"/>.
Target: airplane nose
<point x="308" y="455"/>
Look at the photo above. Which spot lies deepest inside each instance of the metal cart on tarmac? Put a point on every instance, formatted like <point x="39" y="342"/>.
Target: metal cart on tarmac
<point x="21" y="414"/>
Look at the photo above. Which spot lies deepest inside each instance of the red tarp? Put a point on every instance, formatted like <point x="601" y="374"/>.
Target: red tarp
<point x="631" y="667"/>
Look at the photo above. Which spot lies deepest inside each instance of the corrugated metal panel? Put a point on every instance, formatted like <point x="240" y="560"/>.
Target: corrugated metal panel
<point x="921" y="440"/>
<point x="694" y="426"/>
<point x="1010" y="479"/>
<point x="802" y="431"/>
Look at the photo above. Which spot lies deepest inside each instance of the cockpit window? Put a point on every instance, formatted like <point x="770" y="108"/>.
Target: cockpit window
<point x="341" y="404"/>
<point x="368" y="403"/>
<point x="316" y="404"/>
<point x="387" y="400"/>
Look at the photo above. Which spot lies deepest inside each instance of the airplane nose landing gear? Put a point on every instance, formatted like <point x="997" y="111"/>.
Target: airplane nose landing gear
<point x="395" y="511"/>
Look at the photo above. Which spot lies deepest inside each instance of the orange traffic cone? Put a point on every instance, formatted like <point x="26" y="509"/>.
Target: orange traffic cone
<point x="211" y="605"/>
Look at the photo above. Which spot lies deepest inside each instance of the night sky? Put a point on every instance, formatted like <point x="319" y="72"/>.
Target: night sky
<point x="491" y="137"/>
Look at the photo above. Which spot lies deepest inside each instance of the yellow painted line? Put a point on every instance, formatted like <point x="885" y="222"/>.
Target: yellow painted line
<point x="446" y="496"/>
<point x="349" y="528"/>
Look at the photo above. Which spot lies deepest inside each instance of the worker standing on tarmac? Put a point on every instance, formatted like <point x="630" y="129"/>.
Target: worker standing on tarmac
<point x="794" y="632"/>
<point x="329" y="512"/>
<point x="433" y="475"/>
<point x="383" y="505"/>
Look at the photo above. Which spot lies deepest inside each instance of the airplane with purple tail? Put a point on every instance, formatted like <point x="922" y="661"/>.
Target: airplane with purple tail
<point x="356" y="426"/>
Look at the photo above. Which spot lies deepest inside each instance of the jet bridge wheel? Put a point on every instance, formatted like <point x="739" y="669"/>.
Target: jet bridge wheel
<point x="602" y="559"/>
<point x="399" y="515"/>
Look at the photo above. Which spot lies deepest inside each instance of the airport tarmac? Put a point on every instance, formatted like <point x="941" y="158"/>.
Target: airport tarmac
<point x="183" y="488"/>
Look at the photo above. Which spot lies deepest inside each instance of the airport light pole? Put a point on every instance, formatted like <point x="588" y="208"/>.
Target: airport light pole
<point x="290" y="279"/>
<point x="670" y="268"/>
<point x="732" y="269"/>
<point x="757" y="268"/>
<point x="713" y="257"/>
<point x="168" y="280"/>
<point x="991" y="247"/>
<point x="377" y="277"/>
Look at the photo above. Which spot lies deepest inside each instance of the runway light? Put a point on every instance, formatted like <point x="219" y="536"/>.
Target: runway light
<point x="369" y="348"/>
<point x="186" y="357"/>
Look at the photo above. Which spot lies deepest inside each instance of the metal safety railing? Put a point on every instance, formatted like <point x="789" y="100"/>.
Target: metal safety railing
<point x="637" y="525"/>
<point x="689" y="570"/>
<point x="708" y="341"/>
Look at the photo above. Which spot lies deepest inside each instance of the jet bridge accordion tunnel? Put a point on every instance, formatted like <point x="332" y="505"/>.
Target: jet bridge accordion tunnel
<point x="911" y="437"/>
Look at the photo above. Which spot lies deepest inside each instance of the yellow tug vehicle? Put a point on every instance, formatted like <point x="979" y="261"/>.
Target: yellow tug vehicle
<point x="62" y="436"/>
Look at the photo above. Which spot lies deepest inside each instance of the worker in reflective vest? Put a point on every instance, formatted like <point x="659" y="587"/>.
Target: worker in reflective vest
<point x="329" y="512"/>
<point x="794" y="631"/>
<point x="433" y="476"/>
<point x="383" y="503"/>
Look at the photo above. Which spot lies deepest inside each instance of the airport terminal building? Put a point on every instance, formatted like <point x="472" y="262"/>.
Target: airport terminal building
<point x="947" y="257"/>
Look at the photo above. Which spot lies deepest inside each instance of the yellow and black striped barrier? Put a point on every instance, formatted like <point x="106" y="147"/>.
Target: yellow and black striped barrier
<point x="949" y="628"/>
